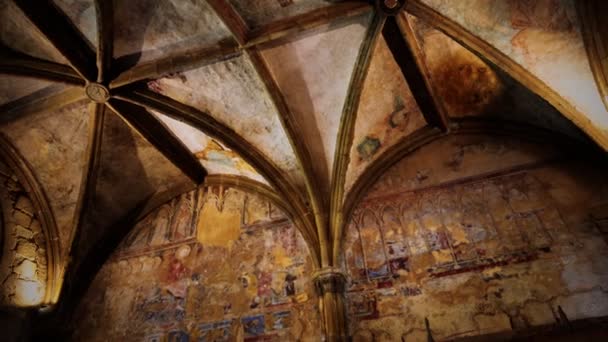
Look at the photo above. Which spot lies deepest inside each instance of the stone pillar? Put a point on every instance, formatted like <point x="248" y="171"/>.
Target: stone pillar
<point x="330" y="286"/>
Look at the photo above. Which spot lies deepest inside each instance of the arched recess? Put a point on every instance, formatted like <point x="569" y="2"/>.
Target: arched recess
<point x="29" y="227"/>
<point x="222" y="261"/>
<point x="487" y="214"/>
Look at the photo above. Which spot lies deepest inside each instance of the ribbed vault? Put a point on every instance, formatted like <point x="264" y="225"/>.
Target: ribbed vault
<point x="120" y="106"/>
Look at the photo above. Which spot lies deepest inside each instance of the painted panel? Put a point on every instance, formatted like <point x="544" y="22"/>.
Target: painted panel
<point x="150" y="29"/>
<point x="215" y="157"/>
<point x="232" y="277"/>
<point x="18" y="33"/>
<point x="258" y="13"/>
<point x="54" y="144"/>
<point x="233" y="94"/>
<point x="542" y="36"/>
<point x="387" y="112"/>
<point x="313" y="73"/>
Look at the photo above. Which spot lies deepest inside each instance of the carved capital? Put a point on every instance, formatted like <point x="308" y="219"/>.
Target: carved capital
<point x="329" y="280"/>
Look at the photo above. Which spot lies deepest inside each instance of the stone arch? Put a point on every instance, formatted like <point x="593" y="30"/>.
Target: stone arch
<point x="30" y="243"/>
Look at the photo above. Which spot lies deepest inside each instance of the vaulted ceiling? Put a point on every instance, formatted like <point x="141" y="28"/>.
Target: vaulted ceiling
<point x="118" y="106"/>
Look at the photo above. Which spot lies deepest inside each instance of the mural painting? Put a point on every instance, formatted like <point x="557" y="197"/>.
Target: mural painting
<point x="233" y="94"/>
<point x="214" y="264"/>
<point x="387" y="112"/>
<point x="479" y="254"/>
<point x="215" y="157"/>
<point x="542" y="36"/>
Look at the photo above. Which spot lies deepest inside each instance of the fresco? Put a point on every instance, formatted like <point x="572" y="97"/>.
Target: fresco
<point x="215" y="157"/>
<point x="84" y="15"/>
<point x="233" y="94"/>
<point x="449" y="160"/>
<point x="164" y="27"/>
<point x="214" y="264"/>
<point x="23" y="265"/>
<point x="482" y="253"/>
<point x="468" y="86"/>
<point x="313" y="73"/>
<point x="54" y="144"/>
<point x="262" y="12"/>
<point x="387" y="112"/>
<point x="542" y="36"/>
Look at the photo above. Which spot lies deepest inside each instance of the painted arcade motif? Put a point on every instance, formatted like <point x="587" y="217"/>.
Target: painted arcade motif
<point x="211" y="265"/>
<point x="481" y="253"/>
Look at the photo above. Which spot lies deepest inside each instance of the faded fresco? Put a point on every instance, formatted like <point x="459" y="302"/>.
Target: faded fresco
<point x="23" y="262"/>
<point x="214" y="264"/>
<point x="215" y="157"/>
<point x="477" y="253"/>
<point x="387" y="112"/>
<point x="542" y="36"/>
<point x="313" y="72"/>
<point x="232" y="92"/>
<point x="146" y="30"/>
<point x="257" y="13"/>
<point x="468" y="86"/>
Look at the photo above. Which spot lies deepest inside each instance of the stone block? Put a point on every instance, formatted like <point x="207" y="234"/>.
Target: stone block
<point x="24" y="232"/>
<point x="26" y="270"/>
<point x="26" y="250"/>
<point x="24" y="204"/>
<point x="22" y="218"/>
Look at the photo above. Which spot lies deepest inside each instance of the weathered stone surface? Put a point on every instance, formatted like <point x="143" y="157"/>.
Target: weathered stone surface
<point x="584" y="305"/>
<point x="489" y="324"/>
<point x="26" y="250"/>
<point x="22" y="280"/>
<point x="23" y="233"/>
<point x="24" y="204"/>
<point x="26" y="270"/>
<point x="536" y="313"/>
<point x="21" y="218"/>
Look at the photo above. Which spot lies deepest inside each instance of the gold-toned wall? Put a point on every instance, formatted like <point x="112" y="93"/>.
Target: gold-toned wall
<point x="479" y="235"/>
<point x="214" y="265"/>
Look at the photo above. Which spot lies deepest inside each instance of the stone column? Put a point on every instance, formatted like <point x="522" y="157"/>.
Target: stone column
<point x="330" y="286"/>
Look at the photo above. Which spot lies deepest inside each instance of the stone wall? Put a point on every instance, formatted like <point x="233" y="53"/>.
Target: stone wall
<point x="212" y="265"/>
<point x="23" y="267"/>
<point x="479" y="235"/>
